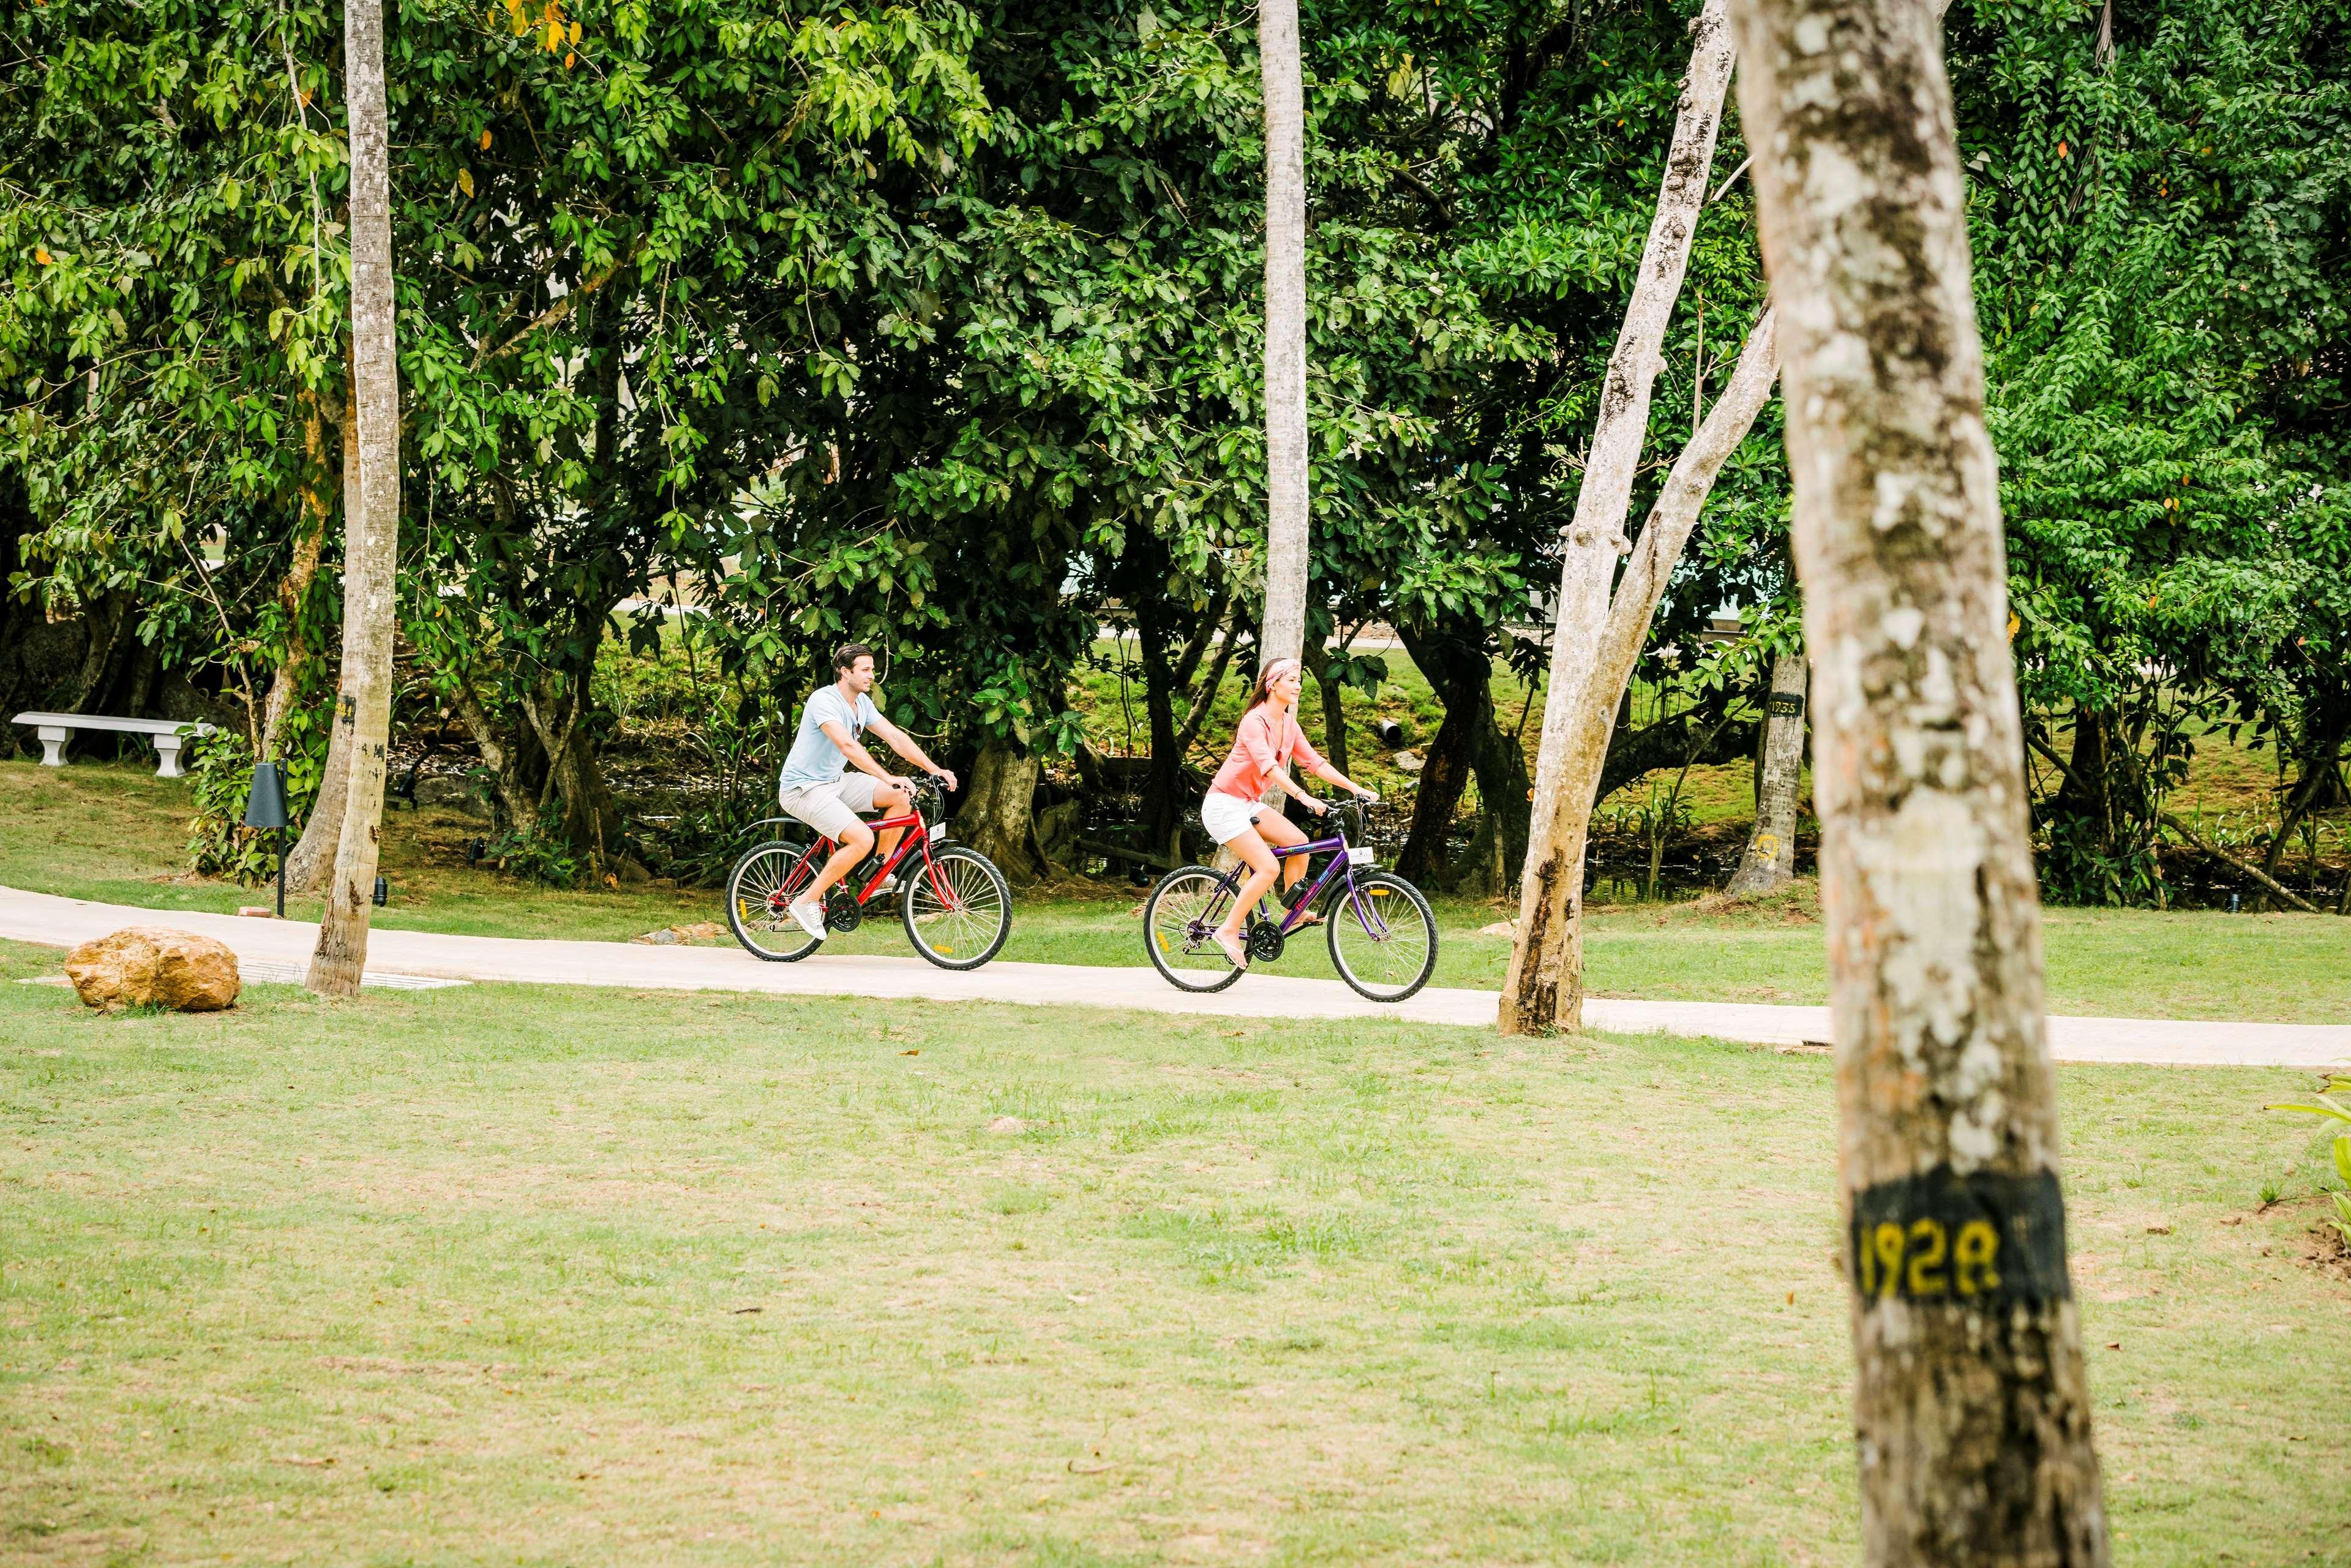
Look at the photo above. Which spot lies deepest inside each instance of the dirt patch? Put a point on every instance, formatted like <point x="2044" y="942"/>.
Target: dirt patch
<point x="2325" y="1248"/>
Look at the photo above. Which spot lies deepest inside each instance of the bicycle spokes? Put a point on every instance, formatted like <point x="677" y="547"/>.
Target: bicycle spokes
<point x="1384" y="937"/>
<point x="956" y="906"/>
<point x="1183" y="913"/>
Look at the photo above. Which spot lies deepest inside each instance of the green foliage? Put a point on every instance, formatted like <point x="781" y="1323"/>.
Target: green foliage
<point x="2332" y="1109"/>
<point x="936" y="325"/>
<point x="538" y="852"/>
<point x="220" y="778"/>
<point x="175" y="287"/>
<point x="2164" y="284"/>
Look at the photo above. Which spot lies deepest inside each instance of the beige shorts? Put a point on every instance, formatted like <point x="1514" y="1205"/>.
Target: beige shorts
<point x="832" y="809"/>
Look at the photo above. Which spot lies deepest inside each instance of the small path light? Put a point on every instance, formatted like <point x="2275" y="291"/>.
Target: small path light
<point x="264" y="806"/>
<point x="382" y="892"/>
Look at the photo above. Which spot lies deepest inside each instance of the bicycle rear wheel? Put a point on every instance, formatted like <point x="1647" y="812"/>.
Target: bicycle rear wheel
<point x="957" y="910"/>
<point x="762" y="882"/>
<point x="1181" y="912"/>
<point x="1382" y="938"/>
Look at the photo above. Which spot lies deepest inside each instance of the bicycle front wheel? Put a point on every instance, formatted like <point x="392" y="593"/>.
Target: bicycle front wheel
<point x="1176" y="921"/>
<point x="1382" y="936"/>
<point x="957" y="909"/>
<point x="762" y="884"/>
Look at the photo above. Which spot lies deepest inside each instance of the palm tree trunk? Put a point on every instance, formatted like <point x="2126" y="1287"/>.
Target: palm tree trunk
<point x="1282" y="635"/>
<point x="1971" y="1410"/>
<point x="364" y="714"/>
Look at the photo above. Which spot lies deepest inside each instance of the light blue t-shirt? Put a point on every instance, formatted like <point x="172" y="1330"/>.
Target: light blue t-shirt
<point x="814" y="758"/>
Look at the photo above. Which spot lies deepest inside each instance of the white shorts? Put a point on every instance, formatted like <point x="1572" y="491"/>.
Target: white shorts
<point x="831" y="809"/>
<point x="1228" y="817"/>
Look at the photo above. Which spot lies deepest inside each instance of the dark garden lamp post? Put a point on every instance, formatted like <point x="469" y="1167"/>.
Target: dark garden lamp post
<point x="264" y="806"/>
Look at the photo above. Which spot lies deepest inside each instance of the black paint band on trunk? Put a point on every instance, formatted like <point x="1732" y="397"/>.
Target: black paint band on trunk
<point x="1939" y="1236"/>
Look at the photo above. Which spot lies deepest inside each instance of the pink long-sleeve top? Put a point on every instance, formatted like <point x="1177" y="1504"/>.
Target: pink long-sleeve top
<point x="1260" y="747"/>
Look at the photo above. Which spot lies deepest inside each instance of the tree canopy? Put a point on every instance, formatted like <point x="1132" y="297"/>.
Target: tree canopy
<point x="939" y="327"/>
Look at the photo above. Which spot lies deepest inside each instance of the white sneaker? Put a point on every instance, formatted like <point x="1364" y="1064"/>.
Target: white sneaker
<point x="810" y="916"/>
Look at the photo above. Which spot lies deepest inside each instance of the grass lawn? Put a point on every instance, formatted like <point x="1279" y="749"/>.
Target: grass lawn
<point x="116" y="832"/>
<point x="503" y="1274"/>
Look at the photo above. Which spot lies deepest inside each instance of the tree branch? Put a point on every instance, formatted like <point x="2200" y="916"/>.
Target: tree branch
<point x="555" y="314"/>
<point x="2259" y="875"/>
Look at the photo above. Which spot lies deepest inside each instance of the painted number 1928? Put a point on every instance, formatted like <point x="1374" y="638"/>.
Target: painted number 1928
<point x="1941" y="1235"/>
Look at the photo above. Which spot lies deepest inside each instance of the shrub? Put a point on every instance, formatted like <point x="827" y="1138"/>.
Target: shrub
<point x="220" y="774"/>
<point x="2334" y="1109"/>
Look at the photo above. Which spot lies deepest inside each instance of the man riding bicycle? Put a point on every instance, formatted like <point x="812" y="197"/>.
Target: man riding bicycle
<point x="815" y="789"/>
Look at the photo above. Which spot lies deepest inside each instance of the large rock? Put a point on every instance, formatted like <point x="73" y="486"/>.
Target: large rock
<point x="144" y="965"/>
<point x="453" y="792"/>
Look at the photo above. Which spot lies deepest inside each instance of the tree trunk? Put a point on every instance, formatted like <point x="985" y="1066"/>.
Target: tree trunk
<point x="2317" y="773"/>
<point x="294" y="592"/>
<point x="1162" y="784"/>
<point x="1448" y="765"/>
<point x="1470" y="743"/>
<point x="313" y="854"/>
<point x="1544" y="986"/>
<point x="1282" y="633"/>
<point x="1971" y="1410"/>
<point x="998" y="815"/>
<point x="516" y="799"/>
<point x="1552" y="878"/>
<point x="1505" y="795"/>
<point x="1334" y="718"/>
<point x="1770" y="862"/>
<point x="364" y="710"/>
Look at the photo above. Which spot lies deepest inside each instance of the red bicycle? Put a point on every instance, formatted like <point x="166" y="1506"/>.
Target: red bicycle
<point x="955" y="904"/>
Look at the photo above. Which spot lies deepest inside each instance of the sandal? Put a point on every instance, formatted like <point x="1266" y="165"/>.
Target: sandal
<point x="1236" y="951"/>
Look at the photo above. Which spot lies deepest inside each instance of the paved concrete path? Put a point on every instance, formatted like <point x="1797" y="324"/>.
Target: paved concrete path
<point x="64" y="922"/>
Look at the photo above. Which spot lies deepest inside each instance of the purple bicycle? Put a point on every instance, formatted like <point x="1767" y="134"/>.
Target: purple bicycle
<point x="1381" y="933"/>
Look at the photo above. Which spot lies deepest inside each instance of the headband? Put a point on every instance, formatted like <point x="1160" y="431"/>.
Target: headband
<point x="1278" y="669"/>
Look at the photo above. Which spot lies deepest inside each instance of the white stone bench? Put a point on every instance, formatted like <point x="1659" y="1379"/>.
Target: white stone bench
<point x="169" y="734"/>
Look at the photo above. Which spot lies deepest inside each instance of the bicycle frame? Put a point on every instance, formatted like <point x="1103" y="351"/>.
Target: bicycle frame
<point x="1344" y="855"/>
<point x="919" y="836"/>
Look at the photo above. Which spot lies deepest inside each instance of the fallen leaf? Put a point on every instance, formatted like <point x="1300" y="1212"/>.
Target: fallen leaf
<point x="298" y="1459"/>
<point x="738" y="1311"/>
<point x="916" y="1051"/>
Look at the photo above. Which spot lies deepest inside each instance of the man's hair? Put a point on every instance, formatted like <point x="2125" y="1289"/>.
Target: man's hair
<point x="845" y="657"/>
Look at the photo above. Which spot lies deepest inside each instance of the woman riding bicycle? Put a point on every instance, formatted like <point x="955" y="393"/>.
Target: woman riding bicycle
<point x="1266" y="741"/>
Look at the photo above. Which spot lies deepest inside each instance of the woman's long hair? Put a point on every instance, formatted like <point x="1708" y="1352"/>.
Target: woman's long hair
<point x="1274" y="670"/>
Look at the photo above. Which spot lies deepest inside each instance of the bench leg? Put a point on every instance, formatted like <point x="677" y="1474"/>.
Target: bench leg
<point x="167" y="756"/>
<point x="52" y="745"/>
